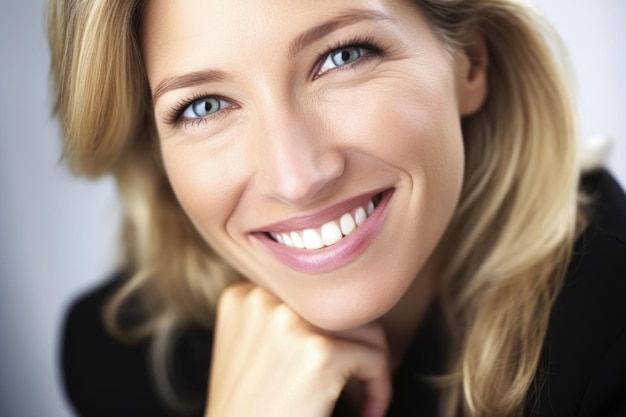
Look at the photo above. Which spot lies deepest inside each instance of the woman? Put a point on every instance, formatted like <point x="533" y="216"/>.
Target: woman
<point x="356" y="207"/>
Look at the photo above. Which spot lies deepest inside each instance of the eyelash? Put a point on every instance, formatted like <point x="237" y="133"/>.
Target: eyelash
<point x="372" y="48"/>
<point x="175" y="114"/>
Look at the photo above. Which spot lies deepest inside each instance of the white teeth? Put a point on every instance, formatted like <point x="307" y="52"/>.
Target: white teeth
<point x="287" y="240"/>
<point x="331" y="233"/>
<point x="347" y="224"/>
<point x="328" y="234"/>
<point x="359" y="216"/>
<point x="312" y="239"/>
<point x="297" y="240"/>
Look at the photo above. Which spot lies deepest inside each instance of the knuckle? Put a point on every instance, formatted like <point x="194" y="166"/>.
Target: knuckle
<point x="233" y="298"/>
<point x="283" y="317"/>
<point x="319" y="352"/>
<point x="230" y="298"/>
<point x="257" y="300"/>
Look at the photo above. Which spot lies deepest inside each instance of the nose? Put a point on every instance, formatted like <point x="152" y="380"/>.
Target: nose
<point x="297" y="162"/>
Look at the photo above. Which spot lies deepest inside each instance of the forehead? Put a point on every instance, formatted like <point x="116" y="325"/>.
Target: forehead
<point x="227" y="15"/>
<point x="185" y="32"/>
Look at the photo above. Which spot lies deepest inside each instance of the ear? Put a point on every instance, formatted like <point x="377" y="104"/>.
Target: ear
<point x="472" y="74"/>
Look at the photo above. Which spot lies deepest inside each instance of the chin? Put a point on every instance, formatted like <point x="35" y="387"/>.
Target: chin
<point x="346" y="308"/>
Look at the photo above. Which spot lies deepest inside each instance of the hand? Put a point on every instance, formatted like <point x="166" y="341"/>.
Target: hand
<point x="268" y="361"/>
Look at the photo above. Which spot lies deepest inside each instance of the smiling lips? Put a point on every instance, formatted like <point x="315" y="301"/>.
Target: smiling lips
<point x="327" y="235"/>
<point x="301" y="245"/>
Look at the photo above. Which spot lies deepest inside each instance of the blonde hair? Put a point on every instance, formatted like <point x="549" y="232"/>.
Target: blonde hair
<point x="509" y="241"/>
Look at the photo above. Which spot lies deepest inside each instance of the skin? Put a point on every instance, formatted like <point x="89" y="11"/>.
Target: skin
<point x="295" y="136"/>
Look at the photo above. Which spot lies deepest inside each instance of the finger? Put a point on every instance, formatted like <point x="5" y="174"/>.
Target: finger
<point x="371" y="367"/>
<point x="231" y="297"/>
<point x="377" y="396"/>
<point x="247" y="308"/>
<point x="372" y="335"/>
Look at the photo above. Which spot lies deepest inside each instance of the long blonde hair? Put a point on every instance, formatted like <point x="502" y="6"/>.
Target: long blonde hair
<point x="512" y="234"/>
<point x="509" y="240"/>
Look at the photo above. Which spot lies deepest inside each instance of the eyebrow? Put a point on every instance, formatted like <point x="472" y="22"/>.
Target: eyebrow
<point x="346" y="18"/>
<point x="187" y="80"/>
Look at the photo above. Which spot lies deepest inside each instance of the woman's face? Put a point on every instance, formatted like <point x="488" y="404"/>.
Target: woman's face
<point x="315" y="144"/>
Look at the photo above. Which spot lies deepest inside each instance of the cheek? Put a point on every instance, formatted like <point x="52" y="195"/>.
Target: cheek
<point x="207" y="181"/>
<point x="414" y="126"/>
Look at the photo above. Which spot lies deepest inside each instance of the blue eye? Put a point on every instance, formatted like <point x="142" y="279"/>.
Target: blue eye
<point x="205" y="107"/>
<point x="342" y="57"/>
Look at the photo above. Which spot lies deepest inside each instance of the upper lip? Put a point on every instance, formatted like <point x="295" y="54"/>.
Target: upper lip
<point x="318" y="218"/>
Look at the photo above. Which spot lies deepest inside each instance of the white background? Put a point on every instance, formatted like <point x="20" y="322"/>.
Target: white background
<point x="57" y="233"/>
